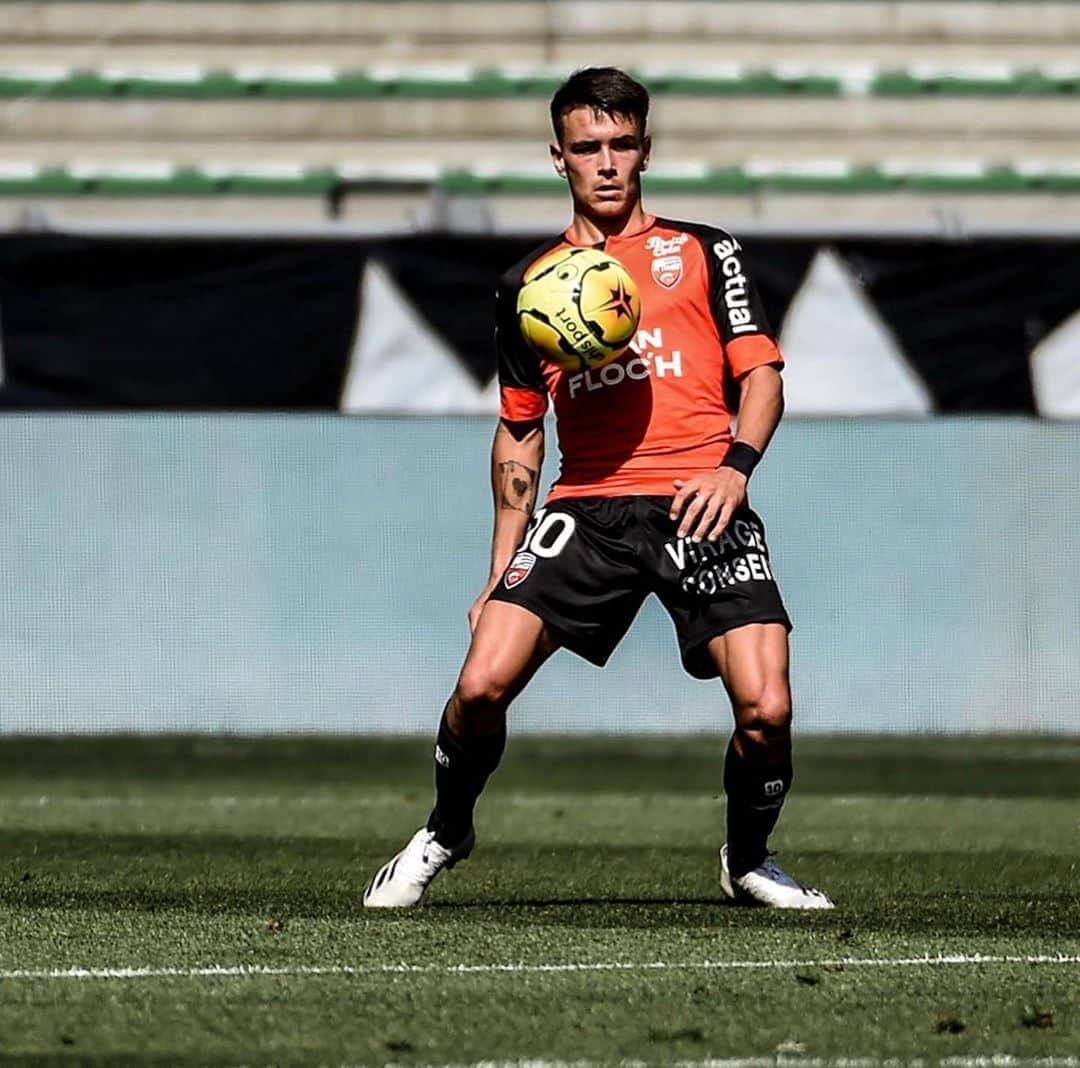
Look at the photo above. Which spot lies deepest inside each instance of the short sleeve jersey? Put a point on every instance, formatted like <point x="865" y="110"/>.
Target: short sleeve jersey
<point x="660" y="411"/>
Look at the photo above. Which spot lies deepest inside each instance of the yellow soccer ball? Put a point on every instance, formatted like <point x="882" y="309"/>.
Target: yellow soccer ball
<point x="578" y="308"/>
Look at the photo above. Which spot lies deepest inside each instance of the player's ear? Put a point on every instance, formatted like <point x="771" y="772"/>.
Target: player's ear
<point x="646" y="149"/>
<point x="558" y="161"/>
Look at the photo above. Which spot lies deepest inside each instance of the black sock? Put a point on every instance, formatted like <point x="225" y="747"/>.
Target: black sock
<point x="462" y="767"/>
<point x="755" y="796"/>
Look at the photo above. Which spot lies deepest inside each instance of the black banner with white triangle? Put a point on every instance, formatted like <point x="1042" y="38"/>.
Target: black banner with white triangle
<point x="891" y="327"/>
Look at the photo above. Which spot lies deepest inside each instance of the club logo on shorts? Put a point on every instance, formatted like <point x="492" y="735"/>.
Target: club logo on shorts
<point x="519" y="570"/>
<point x="667" y="271"/>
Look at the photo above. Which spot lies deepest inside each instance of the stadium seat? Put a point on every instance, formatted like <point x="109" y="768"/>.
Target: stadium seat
<point x="249" y="98"/>
<point x="498" y="83"/>
<point x="560" y="32"/>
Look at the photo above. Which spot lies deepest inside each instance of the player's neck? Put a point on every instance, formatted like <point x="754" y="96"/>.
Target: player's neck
<point x="591" y="230"/>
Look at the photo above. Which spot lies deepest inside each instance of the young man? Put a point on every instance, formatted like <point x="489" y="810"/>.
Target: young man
<point x="651" y="498"/>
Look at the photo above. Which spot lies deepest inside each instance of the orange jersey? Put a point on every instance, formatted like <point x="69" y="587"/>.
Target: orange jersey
<point x="660" y="411"/>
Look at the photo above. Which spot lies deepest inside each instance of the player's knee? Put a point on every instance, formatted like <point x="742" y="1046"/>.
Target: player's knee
<point x="480" y="693"/>
<point x="765" y="719"/>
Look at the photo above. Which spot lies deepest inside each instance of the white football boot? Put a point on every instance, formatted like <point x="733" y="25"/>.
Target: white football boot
<point x="402" y="880"/>
<point x="768" y="884"/>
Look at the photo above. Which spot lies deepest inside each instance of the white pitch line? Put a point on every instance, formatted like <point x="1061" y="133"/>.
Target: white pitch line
<point x="790" y="1060"/>
<point x="245" y="971"/>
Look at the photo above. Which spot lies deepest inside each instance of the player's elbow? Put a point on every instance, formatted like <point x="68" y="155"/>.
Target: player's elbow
<point x="766" y="379"/>
<point x="520" y="441"/>
<point x="522" y="430"/>
<point x="765" y="385"/>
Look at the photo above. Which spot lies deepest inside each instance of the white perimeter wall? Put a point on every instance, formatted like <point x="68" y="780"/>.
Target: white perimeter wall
<point x="285" y="573"/>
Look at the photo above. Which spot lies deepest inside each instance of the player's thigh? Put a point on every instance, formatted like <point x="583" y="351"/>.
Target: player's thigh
<point x="753" y="662"/>
<point x="579" y="570"/>
<point x="714" y="588"/>
<point x="508" y="647"/>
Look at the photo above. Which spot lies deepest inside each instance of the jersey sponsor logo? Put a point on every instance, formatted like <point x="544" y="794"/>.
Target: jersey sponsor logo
<point x="667" y="264"/>
<point x="649" y="361"/>
<point x="519" y="570"/>
<point x="669" y="246"/>
<point x="736" y="557"/>
<point x="667" y="271"/>
<point x="736" y="287"/>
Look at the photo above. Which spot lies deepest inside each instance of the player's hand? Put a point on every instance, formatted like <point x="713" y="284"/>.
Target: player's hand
<point x="478" y="604"/>
<point x="705" y="504"/>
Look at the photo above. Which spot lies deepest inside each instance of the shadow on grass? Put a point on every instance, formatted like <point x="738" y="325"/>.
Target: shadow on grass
<point x="1040" y="919"/>
<point x="571" y="885"/>
<point x="985" y="766"/>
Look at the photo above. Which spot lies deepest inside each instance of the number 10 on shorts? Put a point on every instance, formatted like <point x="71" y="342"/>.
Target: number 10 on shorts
<point x="547" y="536"/>
<point x="548" y="533"/>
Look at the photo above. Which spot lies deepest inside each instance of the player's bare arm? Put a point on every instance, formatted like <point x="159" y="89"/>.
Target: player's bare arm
<point x="705" y="504"/>
<point x="518" y="486"/>
<point x="517" y="456"/>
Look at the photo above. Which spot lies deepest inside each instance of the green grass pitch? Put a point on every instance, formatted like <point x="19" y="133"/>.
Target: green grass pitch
<point x="197" y="901"/>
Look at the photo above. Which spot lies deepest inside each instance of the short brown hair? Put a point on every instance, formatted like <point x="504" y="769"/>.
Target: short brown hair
<point x="605" y="89"/>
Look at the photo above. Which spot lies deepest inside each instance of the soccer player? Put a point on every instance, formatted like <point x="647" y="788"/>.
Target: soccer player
<point x="651" y="498"/>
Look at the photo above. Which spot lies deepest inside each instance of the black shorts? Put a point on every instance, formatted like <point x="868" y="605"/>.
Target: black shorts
<point x="588" y="563"/>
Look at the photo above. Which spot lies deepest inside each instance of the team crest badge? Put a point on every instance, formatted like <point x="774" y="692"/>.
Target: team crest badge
<point x="519" y="570"/>
<point x="667" y="270"/>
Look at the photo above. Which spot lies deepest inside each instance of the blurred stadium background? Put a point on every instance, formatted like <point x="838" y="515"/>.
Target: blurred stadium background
<point x="247" y="259"/>
<point x="258" y="207"/>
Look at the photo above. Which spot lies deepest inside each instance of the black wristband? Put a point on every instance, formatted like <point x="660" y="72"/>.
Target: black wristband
<point x="744" y="458"/>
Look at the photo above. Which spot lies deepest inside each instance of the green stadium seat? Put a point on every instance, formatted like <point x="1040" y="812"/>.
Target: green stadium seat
<point x="495" y="83"/>
<point x="162" y="179"/>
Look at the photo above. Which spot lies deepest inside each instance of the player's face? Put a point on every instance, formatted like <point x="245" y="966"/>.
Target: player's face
<point x="602" y="157"/>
